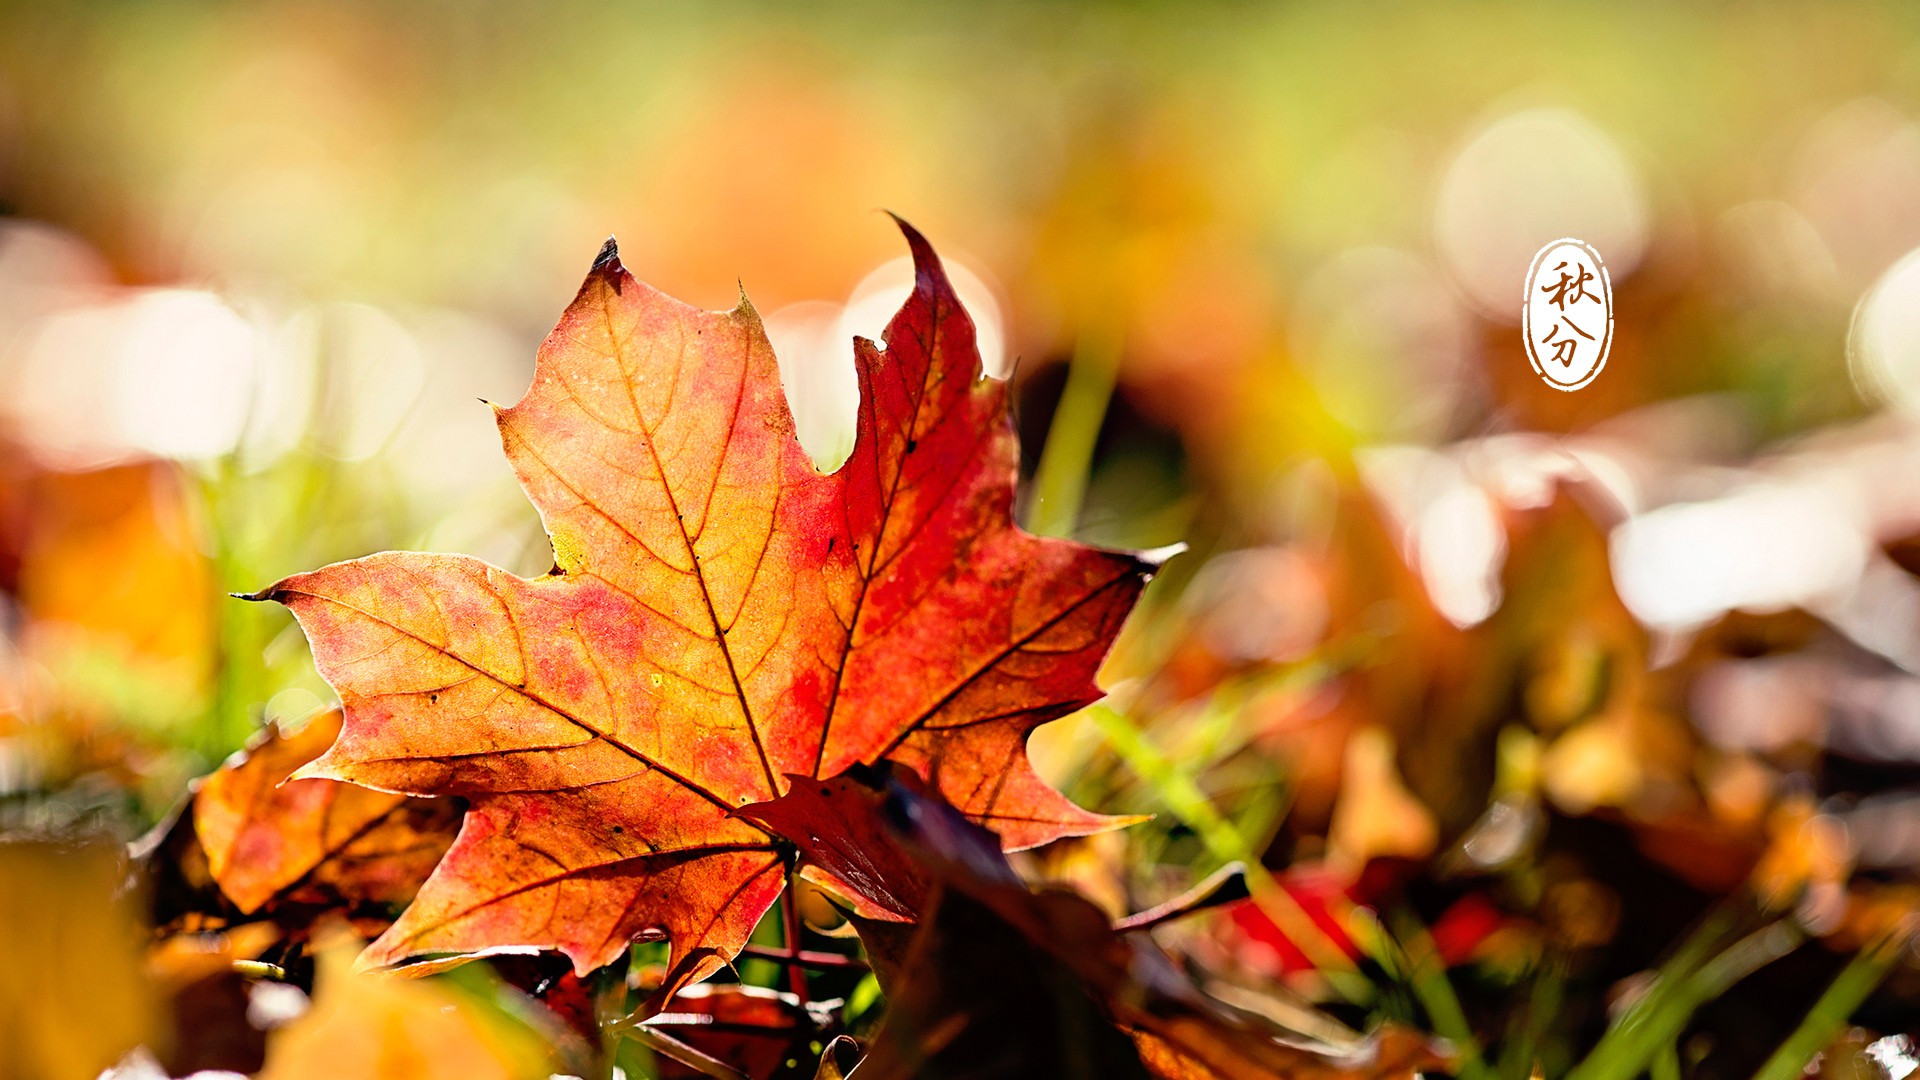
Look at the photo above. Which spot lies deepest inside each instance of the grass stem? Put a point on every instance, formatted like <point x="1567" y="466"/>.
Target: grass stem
<point x="1829" y="1015"/>
<point x="1060" y="480"/>
<point x="1184" y="799"/>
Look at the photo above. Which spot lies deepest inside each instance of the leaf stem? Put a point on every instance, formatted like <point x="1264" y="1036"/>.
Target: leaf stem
<point x="667" y="1046"/>
<point x="824" y="961"/>
<point x="790" y="925"/>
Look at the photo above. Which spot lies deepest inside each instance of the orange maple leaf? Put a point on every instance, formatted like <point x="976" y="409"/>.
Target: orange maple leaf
<point x="720" y="616"/>
<point x="268" y="840"/>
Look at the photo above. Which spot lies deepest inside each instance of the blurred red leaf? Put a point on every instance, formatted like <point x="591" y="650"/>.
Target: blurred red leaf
<point x="1319" y="892"/>
<point x="1463" y="926"/>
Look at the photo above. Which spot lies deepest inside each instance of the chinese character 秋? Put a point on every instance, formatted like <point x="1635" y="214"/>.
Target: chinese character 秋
<point x="1578" y="286"/>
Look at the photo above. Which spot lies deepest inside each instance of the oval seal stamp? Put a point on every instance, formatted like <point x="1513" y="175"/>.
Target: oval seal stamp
<point x="1567" y="314"/>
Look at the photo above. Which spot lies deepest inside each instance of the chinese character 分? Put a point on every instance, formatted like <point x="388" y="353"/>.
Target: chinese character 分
<point x="1563" y="350"/>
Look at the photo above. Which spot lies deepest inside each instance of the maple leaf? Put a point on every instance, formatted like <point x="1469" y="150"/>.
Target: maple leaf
<point x="720" y="616"/>
<point x="316" y="841"/>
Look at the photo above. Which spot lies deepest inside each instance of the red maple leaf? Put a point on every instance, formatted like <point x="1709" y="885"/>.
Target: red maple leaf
<point x="720" y="615"/>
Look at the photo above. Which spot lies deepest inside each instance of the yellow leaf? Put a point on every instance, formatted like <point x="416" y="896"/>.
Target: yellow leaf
<point x="74" y="996"/>
<point x="382" y="1027"/>
<point x="1375" y="814"/>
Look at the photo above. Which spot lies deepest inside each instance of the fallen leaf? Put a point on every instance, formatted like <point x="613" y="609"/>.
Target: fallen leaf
<point x="384" y="1028"/>
<point x="830" y="1058"/>
<point x="1227" y="885"/>
<point x="1198" y="1054"/>
<point x="248" y="867"/>
<point x="73" y="994"/>
<point x="252" y="863"/>
<point x="751" y="1029"/>
<point x="955" y="1009"/>
<point x="111" y="561"/>
<point x="314" y="841"/>
<point x="1091" y="999"/>
<point x="1375" y="815"/>
<point x="720" y="616"/>
<point x="845" y="839"/>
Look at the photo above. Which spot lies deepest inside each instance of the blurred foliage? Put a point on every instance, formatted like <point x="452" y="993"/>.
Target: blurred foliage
<point x="74" y="997"/>
<point x="1579" y="728"/>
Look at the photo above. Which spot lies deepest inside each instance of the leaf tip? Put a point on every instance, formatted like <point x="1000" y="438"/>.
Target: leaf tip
<point x="929" y="274"/>
<point x="609" y="257"/>
<point x="369" y="962"/>
<point x="1155" y="558"/>
<point x="312" y="770"/>
<point x="607" y="267"/>
<point x="925" y="262"/>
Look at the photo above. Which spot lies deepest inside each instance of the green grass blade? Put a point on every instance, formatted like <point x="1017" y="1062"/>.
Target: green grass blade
<point x="1627" y="1048"/>
<point x="1828" y="1017"/>
<point x="1666" y="1063"/>
<point x="1426" y="975"/>
<point x="1060" y="480"/>
<point x="1520" y="1056"/>
<point x="1184" y="799"/>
